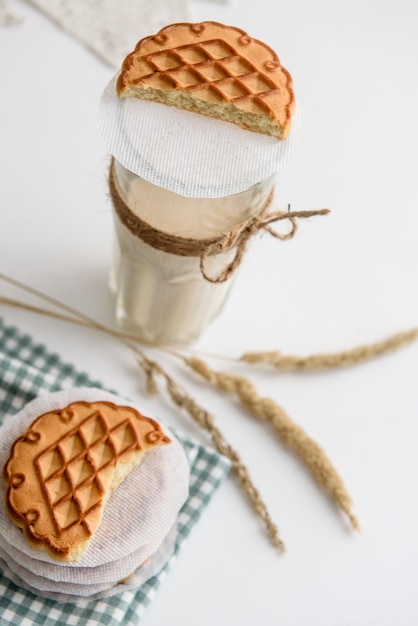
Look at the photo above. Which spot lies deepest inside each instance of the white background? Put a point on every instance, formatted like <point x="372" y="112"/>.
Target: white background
<point x="346" y="279"/>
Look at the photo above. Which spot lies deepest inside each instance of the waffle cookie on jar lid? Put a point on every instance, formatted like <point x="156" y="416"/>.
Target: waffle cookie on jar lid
<point x="212" y="69"/>
<point x="61" y="471"/>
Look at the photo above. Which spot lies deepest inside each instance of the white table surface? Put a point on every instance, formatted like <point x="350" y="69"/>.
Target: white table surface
<point x="345" y="279"/>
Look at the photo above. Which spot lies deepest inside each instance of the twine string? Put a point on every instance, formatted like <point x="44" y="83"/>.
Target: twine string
<point x="241" y="241"/>
<point x="237" y="239"/>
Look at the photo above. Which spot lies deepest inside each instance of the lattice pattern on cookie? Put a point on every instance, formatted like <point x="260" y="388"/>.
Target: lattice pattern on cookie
<point x="62" y="470"/>
<point x="71" y="468"/>
<point x="213" y="67"/>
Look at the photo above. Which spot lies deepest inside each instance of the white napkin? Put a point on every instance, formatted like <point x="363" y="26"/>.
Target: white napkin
<point x="106" y="574"/>
<point x="65" y="592"/>
<point x="111" y="28"/>
<point x="217" y="158"/>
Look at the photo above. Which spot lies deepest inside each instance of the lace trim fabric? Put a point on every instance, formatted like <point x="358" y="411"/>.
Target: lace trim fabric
<point x="111" y="28"/>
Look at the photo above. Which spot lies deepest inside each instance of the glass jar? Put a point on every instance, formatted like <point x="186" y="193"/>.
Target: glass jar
<point x="163" y="297"/>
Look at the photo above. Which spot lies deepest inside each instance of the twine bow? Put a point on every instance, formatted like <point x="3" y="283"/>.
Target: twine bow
<point x="241" y="237"/>
<point x="237" y="239"/>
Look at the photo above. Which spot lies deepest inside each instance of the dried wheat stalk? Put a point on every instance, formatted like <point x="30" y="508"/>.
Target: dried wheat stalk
<point x="184" y="401"/>
<point x="292" y="435"/>
<point x="325" y="361"/>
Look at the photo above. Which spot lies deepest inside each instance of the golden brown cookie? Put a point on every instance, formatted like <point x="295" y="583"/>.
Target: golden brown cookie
<point x="62" y="471"/>
<point x="215" y="70"/>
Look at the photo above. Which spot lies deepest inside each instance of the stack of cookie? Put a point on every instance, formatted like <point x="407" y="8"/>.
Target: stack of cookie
<point x="92" y="490"/>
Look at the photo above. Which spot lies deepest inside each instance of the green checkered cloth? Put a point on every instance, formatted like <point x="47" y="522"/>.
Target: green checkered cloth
<point x="27" y="368"/>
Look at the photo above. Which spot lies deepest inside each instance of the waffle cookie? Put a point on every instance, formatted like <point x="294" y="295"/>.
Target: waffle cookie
<point x="215" y="70"/>
<point x="61" y="472"/>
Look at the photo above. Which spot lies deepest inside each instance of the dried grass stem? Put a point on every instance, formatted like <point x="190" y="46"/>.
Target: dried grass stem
<point x="325" y="361"/>
<point x="206" y="421"/>
<point x="292" y="435"/>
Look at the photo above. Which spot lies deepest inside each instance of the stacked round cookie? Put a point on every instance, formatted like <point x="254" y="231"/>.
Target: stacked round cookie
<point x="68" y="525"/>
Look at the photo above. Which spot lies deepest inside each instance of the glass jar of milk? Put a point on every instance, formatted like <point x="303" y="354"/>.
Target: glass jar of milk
<point x="161" y="296"/>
